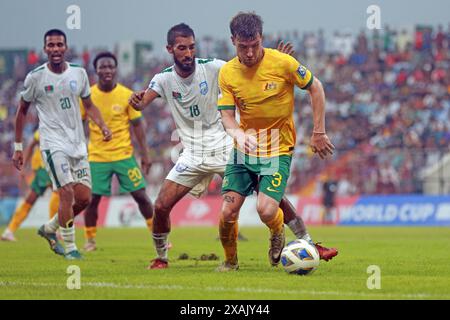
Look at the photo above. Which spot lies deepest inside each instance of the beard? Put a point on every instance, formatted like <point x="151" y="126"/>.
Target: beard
<point x="185" y="66"/>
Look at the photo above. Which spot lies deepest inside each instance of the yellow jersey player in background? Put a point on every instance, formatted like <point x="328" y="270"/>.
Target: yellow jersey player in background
<point x="259" y="83"/>
<point x="41" y="181"/>
<point x="115" y="157"/>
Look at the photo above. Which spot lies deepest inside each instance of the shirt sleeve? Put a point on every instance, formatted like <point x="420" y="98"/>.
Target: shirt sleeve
<point x="157" y="85"/>
<point x="86" y="88"/>
<point x="226" y="98"/>
<point x="298" y="74"/>
<point x="28" y="92"/>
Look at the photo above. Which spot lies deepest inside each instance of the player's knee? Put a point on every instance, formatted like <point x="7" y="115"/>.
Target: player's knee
<point x="229" y="213"/>
<point x="266" y="213"/>
<point x="83" y="200"/>
<point x="66" y="194"/>
<point x="162" y="208"/>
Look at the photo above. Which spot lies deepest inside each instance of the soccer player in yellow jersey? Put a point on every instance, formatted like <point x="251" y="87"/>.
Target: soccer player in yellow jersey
<point x="40" y="183"/>
<point x="116" y="156"/>
<point x="259" y="83"/>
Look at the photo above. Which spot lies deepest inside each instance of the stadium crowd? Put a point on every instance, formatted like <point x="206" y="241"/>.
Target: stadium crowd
<point x="388" y="108"/>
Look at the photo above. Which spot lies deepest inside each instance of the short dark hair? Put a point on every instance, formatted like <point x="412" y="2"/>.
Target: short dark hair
<point x="246" y="25"/>
<point x="180" y="30"/>
<point x="104" y="54"/>
<point x="55" y="32"/>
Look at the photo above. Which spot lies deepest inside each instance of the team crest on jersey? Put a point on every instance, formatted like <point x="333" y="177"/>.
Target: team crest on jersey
<point x="204" y="88"/>
<point x="176" y="95"/>
<point x="225" y="182"/>
<point x="65" y="167"/>
<point x="117" y="108"/>
<point x="181" y="167"/>
<point x="73" y="85"/>
<point x="301" y="71"/>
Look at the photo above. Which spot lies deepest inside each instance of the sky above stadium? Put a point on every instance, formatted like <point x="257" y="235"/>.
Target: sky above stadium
<point x="105" y="22"/>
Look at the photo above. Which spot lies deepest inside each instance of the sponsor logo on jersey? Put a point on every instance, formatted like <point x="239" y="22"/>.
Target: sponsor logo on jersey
<point x="270" y="86"/>
<point x="49" y="89"/>
<point x="301" y="71"/>
<point x="272" y="190"/>
<point x="73" y="85"/>
<point x="176" y="95"/>
<point x="204" y="88"/>
<point x="152" y="84"/>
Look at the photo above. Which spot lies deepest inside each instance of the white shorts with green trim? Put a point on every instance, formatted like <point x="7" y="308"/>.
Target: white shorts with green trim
<point x="197" y="171"/>
<point x="63" y="169"/>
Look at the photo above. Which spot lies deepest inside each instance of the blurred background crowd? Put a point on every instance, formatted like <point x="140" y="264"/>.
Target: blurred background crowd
<point x="388" y="108"/>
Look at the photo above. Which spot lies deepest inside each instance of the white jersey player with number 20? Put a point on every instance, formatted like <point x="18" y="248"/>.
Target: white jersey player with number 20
<point x="55" y="89"/>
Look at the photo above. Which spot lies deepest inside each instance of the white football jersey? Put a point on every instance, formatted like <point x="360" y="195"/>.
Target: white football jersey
<point x="193" y="102"/>
<point x="56" y="97"/>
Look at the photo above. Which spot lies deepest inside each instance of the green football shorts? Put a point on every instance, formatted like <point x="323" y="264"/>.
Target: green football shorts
<point x="41" y="181"/>
<point x="244" y="174"/>
<point x="127" y="171"/>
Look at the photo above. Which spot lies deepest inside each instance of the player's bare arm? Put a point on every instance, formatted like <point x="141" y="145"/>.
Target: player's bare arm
<point x="245" y="141"/>
<point x="139" y="100"/>
<point x="21" y="117"/>
<point x="139" y="132"/>
<point x="93" y="113"/>
<point x="320" y="143"/>
<point x="27" y="153"/>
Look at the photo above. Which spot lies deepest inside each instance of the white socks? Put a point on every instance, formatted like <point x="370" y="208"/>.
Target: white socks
<point x="161" y="242"/>
<point x="52" y="225"/>
<point x="68" y="234"/>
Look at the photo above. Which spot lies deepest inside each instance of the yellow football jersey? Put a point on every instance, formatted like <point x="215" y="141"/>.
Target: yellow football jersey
<point x="36" y="158"/>
<point x="264" y="97"/>
<point x="117" y="114"/>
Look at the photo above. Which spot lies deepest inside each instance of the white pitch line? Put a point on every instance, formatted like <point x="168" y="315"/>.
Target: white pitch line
<point x="224" y="289"/>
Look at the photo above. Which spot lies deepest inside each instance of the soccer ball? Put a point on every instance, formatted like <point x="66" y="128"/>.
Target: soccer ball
<point x="300" y="257"/>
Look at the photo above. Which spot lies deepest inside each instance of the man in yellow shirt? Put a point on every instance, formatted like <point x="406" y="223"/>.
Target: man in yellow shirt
<point x="116" y="156"/>
<point x="259" y="83"/>
<point x="40" y="183"/>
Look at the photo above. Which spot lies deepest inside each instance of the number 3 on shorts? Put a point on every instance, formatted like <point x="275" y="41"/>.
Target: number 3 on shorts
<point x="276" y="182"/>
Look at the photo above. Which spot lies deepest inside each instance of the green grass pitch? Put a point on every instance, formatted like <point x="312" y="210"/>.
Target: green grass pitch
<point x="414" y="264"/>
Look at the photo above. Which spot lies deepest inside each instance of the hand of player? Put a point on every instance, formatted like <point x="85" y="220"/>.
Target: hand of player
<point x="321" y="144"/>
<point x="107" y="134"/>
<point x="246" y="142"/>
<point x="18" y="160"/>
<point x="146" y="163"/>
<point x="250" y="143"/>
<point x="136" y="99"/>
<point x="287" y="48"/>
